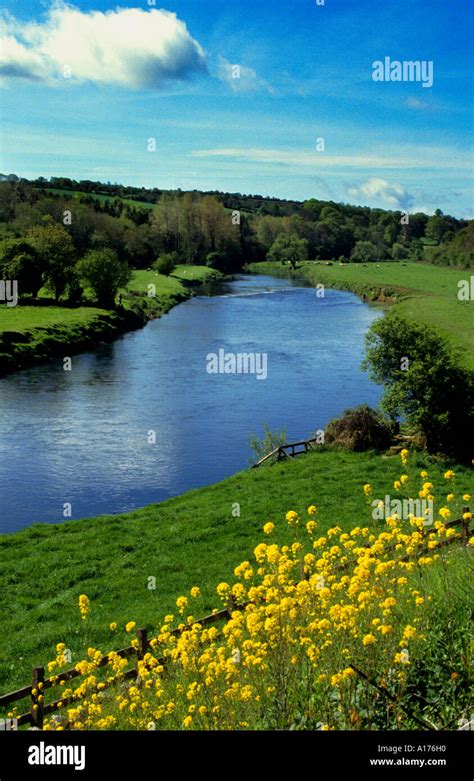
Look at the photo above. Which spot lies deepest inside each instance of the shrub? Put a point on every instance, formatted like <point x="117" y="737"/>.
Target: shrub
<point x="424" y="384"/>
<point x="165" y="264"/>
<point x="270" y="441"/>
<point x="361" y="428"/>
<point x="102" y="270"/>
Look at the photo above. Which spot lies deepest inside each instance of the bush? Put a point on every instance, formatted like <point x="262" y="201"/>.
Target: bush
<point x="165" y="264"/>
<point x="424" y="383"/>
<point x="270" y="441"/>
<point x="102" y="271"/>
<point x="361" y="428"/>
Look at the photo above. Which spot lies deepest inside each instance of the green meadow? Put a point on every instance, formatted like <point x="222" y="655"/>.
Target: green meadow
<point x="29" y="334"/>
<point x="419" y="291"/>
<point x="195" y="539"/>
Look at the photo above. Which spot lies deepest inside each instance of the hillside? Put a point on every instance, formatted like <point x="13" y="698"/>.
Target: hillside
<point x="197" y="538"/>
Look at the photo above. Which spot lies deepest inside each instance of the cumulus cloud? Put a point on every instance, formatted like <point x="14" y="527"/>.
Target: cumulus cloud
<point x="130" y="47"/>
<point x="373" y="189"/>
<point x="240" y="78"/>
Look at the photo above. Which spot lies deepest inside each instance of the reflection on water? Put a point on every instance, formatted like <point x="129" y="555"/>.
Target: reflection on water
<point x="84" y="436"/>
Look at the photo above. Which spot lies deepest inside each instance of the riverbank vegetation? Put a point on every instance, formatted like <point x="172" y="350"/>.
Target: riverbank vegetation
<point x="420" y="292"/>
<point x="336" y="621"/>
<point x="194" y="539"/>
<point x="74" y="244"/>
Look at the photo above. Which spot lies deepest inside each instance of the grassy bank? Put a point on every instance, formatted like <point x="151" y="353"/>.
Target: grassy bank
<point x="34" y="334"/>
<point x="418" y="291"/>
<point x="194" y="539"/>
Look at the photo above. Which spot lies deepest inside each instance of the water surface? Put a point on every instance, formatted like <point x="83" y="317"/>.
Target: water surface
<point x="83" y="436"/>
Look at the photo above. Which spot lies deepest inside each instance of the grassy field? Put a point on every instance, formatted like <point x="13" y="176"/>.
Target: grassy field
<point x="172" y="285"/>
<point x="420" y="292"/>
<point x="98" y="197"/>
<point x="196" y="274"/>
<point x="194" y="539"/>
<point x="29" y="334"/>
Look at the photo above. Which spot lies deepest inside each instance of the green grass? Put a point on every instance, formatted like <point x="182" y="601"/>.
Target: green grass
<point x="165" y="286"/>
<point x="196" y="273"/>
<point x="29" y="334"/>
<point x="421" y="292"/>
<point x="99" y="197"/>
<point x="35" y="333"/>
<point x="191" y="540"/>
<point x="25" y="319"/>
<point x="173" y="284"/>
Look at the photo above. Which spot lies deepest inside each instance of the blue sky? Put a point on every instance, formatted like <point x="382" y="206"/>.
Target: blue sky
<point x="85" y="86"/>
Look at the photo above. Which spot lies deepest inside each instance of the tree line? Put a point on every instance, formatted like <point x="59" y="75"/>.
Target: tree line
<point x="53" y="234"/>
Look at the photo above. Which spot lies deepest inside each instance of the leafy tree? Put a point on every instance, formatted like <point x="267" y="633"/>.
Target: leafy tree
<point x="105" y="273"/>
<point x="365" y="252"/>
<point x="424" y="383"/>
<point x="165" y="264"/>
<point x="288" y="249"/>
<point x="399" y="251"/>
<point x="459" y="252"/>
<point x="268" y="229"/>
<point x="55" y="249"/>
<point x="437" y="226"/>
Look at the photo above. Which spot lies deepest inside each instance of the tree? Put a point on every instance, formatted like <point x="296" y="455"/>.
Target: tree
<point x="268" y="229"/>
<point x="399" y="251"/>
<point x="424" y="384"/>
<point x="102" y="271"/>
<point x="216" y="223"/>
<point x="288" y="249"/>
<point x="20" y="261"/>
<point x="437" y="226"/>
<point x="55" y="249"/>
<point x="166" y="263"/>
<point x="459" y="252"/>
<point x="365" y="252"/>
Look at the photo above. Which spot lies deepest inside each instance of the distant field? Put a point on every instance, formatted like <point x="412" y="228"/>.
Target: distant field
<point x="28" y="318"/>
<point x="422" y="292"/>
<point x="171" y="285"/>
<point x="164" y="285"/>
<point x="98" y="197"/>
<point x="196" y="273"/>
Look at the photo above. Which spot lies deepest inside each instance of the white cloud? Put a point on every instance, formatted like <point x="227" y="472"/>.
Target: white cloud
<point x="129" y="47"/>
<point x="240" y="78"/>
<point x="380" y="190"/>
<point x="419" y="105"/>
<point x="416" y="158"/>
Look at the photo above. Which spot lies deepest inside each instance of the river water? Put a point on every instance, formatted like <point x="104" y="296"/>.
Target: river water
<point x="86" y="437"/>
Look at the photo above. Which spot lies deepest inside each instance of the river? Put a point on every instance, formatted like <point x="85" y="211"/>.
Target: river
<point x="142" y="419"/>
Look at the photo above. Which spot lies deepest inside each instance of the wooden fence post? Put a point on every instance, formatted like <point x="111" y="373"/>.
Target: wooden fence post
<point x="37" y="697"/>
<point x="142" y="635"/>
<point x="465" y="525"/>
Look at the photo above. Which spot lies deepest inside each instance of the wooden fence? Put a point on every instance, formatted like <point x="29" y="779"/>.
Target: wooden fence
<point x="39" y="685"/>
<point x="288" y="451"/>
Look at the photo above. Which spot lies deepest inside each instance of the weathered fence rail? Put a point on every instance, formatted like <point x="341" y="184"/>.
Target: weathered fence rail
<point x="288" y="451"/>
<point x="39" y="709"/>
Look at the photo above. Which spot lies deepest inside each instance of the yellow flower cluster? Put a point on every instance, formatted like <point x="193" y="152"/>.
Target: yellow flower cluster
<point x="84" y="606"/>
<point x="303" y="620"/>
